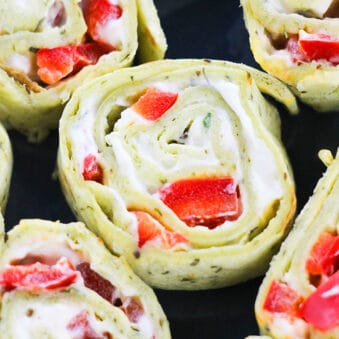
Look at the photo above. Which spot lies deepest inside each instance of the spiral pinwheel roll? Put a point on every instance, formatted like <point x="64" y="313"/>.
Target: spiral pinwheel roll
<point x="178" y="166"/>
<point x="298" y="42"/>
<point x="299" y="297"/>
<point x="5" y="167"/>
<point x="59" y="281"/>
<point x="48" y="48"/>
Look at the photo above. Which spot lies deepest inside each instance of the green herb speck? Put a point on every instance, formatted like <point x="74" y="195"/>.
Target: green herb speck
<point x="207" y="120"/>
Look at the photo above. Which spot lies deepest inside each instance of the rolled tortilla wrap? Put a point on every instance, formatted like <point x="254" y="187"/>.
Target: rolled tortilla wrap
<point x="59" y="281"/>
<point x="298" y="42"/>
<point x="57" y="45"/>
<point x="178" y="166"/>
<point x="299" y="296"/>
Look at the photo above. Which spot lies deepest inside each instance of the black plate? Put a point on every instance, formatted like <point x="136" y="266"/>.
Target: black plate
<point x="194" y="29"/>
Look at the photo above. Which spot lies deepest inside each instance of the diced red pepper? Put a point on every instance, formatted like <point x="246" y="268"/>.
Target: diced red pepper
<point x="80" y="327"/>
<point x="97" y="14"/>
<point x="92" y="169"/>
<point x="297" y="54"/>
<point x="133" y="309"/>
<point x="203" y="201"/>
<point x="320" y="47"/>
<point x="324" y="256"/>
<point x="56" y="13"/>
<point x="154" y="103"/>
<point x="309" y="47"/>
<point x="321" y="308"/>
<point x="149" y="229"/>
<point x="96" y="282"/>
<point x="103" y="287"/>
<point x="56" y="63"/>
<point x="282" y="299"/>
<point x="37" y="276"/>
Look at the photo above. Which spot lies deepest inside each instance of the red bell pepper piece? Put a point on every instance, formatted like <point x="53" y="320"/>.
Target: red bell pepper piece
<point x="149" y="229"/>
<point x="37" y="276"/>
<point x="309" y="47"/>
<point x="154" y="103"/>
<point x="324" y="257"/>
<point x="97" y="14"/>
<point x="80" y="327"/>
<point x="321" y="308"/>
<point x="92" y="170"/>
<point x="320" y="47"/>
<point x="56" y="63"/>
<point x="203" y="201"/>
<point x="297" y="54"/>
<point x="96" y="282"/>
<point x="133" y="309"/>
<point x="282" y="299"/>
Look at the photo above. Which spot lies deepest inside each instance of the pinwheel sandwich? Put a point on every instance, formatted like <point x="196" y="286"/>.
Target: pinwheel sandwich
<point x="298" y="42"/>
<point x="178" y="165"/>
<point x="48" y="48"/>
<point x="299" y="297"/>
<point x="59" y="281"/>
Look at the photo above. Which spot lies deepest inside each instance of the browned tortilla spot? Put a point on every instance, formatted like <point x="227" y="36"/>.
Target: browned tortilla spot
<point x="21" y="77"/>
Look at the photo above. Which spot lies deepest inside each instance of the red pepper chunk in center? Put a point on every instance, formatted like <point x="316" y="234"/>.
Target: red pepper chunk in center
<point x="149" y="230"/>
<point x="154" y="103"/>
<point x="92" y="169"/>
<point x="203" y="201"/>
<point x="308" y="47"/>
<point x="321" y="308"/>
<point x="324" y="256"/>
<point x="56" y="63"/>
<point x="282" y="299"/>
<point x="37" y="276"/>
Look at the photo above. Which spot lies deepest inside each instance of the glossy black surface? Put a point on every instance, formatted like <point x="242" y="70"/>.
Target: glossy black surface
<point x="194" y="29"/>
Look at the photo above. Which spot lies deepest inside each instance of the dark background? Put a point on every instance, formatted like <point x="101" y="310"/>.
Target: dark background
<point x="194" y="29"/>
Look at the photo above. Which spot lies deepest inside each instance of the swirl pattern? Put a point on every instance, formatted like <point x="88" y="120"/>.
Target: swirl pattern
<point x="59" y="281"/>
<point x="56" y="45"/>
<point x="178" y="165"/>
<point x="298" y="42"/>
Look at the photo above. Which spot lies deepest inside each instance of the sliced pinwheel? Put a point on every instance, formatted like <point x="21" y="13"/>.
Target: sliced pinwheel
<point x="56" y="45"/>
<point x="59" y="281"/>
<point x="299" y="297"/>
<point x="178" y="166"/>
<point x="298" y="42"/>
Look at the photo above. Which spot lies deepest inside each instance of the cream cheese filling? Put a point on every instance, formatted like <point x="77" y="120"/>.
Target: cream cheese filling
<point x="263" y="169"/>
<point x="318" y="7"/>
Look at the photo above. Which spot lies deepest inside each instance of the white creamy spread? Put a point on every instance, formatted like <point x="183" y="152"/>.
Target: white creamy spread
<point x="292" y="328"/>
<point x="125" y="162"/>
<point x="279" y="6"/>
<point x="292" y="281"/>
<point x="81" y="134"/>
<point x="53" y="319"/>
<point x="24" y="63"/>
<point x="318" y="7"/>
<point x="264" y="171"/>
<point x="48" y="251"/>
<point x="113" y="32"/>
<point x="45" y="318"/>
<point x="145" y="326"/>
